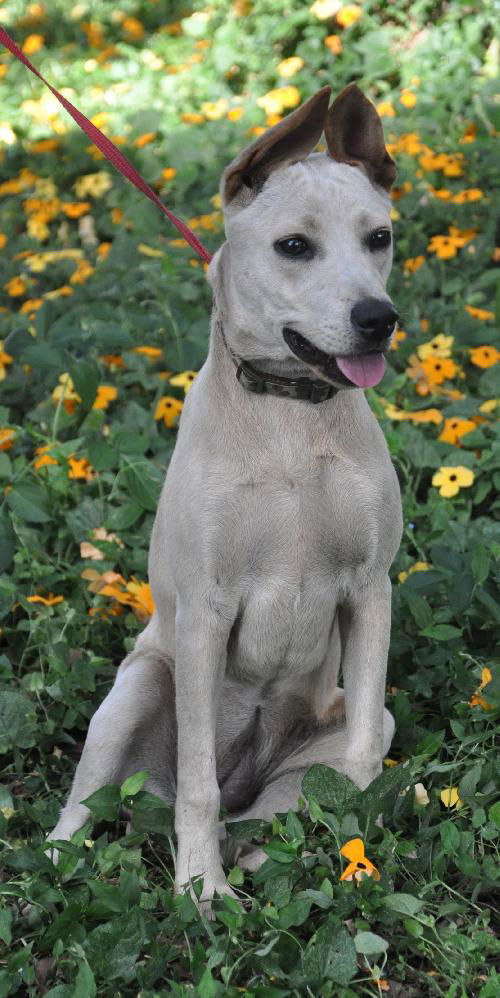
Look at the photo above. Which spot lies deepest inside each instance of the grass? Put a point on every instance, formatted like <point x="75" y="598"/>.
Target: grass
<point x="123" y="309"/>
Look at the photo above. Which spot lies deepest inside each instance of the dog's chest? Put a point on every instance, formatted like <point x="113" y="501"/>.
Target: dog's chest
<point x="306" y="536"/>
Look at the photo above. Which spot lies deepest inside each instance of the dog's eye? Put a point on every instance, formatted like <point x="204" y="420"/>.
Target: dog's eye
<point x="294" y="246"/>
<point x="379" y="239"/>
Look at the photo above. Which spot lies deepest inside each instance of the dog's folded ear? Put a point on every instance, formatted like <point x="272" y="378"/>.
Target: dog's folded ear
<point x="287" y="142"/>
<point x="354" y="135"/>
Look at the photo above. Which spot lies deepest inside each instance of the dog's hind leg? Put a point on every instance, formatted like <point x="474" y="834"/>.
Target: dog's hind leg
<point x="133" y="729"/>
<point x="284" y="784"/>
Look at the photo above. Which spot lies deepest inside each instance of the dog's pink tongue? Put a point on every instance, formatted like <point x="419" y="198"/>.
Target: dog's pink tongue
<point x="364" y="371"/>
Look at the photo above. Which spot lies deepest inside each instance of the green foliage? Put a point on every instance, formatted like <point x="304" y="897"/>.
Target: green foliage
<point x="104" y="921"/>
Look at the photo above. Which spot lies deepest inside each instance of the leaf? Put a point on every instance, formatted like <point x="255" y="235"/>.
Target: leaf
<point x="405" y="904"/>
<point x="250" y="828"/>
<point x="30" y="502"/>
<point x="84" y="518"/>
<point x="125" y="516"/>
<point x="384" y="788"/>
<point x="370" y="944"/>
<point x="85" y="376"/>
<point x="85" y="986"/>
<point x="131" y="786"/>
<point x="112" y="949"/>
<point x="101" y="456"/>
<point x="331" y="789"/>
<point x="6" y="926"/>
<point x="236" y="877"/>
<point x="494" y="814"/>
<point x="295" y="913"/>
<point x="141" y="487"/>
<point x="442" y="632"/>
<point x="450" y="836"/>
<point x="480" y="564"/>
<point x="104" y="803"/>
<point x="17" y="721"/>
<point x="330" y="954"/>
<point x="7" y="542"/>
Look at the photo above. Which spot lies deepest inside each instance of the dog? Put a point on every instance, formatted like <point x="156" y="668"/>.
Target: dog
<point x="280" y="514"/>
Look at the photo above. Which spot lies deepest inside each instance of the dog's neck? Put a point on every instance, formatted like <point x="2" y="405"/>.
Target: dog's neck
<point x="255" y="380"/>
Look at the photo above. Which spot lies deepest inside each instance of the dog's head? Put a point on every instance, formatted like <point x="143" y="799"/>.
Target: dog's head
<point x="309" y="244"/>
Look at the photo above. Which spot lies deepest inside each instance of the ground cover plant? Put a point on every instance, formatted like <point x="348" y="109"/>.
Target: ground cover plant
<point x="104" y="318"/>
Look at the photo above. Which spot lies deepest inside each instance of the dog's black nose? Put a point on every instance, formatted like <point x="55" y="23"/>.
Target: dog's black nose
<point x="374" y="319"/>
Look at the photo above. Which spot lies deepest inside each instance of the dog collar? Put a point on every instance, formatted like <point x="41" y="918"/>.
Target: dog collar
<point x="308" y="389"/>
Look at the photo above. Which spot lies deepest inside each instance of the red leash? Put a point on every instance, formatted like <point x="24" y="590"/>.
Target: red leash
<point x="110" y="151"/>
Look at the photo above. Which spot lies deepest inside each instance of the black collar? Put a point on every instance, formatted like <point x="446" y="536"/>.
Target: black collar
<point x="308" y="389"/>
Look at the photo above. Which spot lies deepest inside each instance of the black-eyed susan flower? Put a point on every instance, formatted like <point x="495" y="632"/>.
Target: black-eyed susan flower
<point x="168" y="408"/>
<point x="5" y="359"/>
<point x="7" y="434"/>
<point x="454" y="429"/>
<point x="105" y="395"/>
<point x="450" y="797"/>
<point x="359" y="866"/>
<point x="485" y="356"/>
<point x="413" y="264"/>
<point x="439" y="346"/>
<point x="16" y="287"/>
<point x="184" y="380"/>
<point x="479" y="313"/>
<point x="65" y="392"/>
<point x="451" y="480"/>
<point x="477" y="700"/>
<point x="49" y="600"/>
<point x="80" y="468"/>
<point x="348" y="15"/>
<point x="419" y="566"/>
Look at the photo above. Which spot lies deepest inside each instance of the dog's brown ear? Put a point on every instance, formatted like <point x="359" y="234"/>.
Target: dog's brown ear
<point x="354" y="135"/>
<point x="287" y="142"/>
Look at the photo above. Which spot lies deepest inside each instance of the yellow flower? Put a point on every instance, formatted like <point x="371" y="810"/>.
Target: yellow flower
<point x="144" y="140"/>
<point x="451" y="480"/>
<point x="439" y="346"/>
<point x="82" y="272"/>
<point x="450" y="797"/>
<point x="133" y="27"/>
<point x="469" y="134"/>
<point x="44" y="458"/>
<point x="484" y="356"/>
<point x="76" y="209"/>
<point x="44" y="145"/>
<point x="421" y="416"/>
<point x="80" y="468"/>
<point x="192" y="118"/>
<point x="359" y="866"/>
<point x="6" y="437"/>
<point x="413" y="264"/>
<point x="398" y="338"/>
<point x="16" y="287"/>
<point x="235" y="113"/>
<point x="276" y="101"/>
<point x="323" y="9"/>
<point x="32" y="44"/>
<point x="5" y="358"/>
<point x="289" y="67"/>
<point x="184" y="380"/>
<point x="421" y="795"/>
<point x="408" y="99"/>
<point x="444" y="246"/>
<point x="438" y="369"/>
<point x="168" y="173"/>
<point x="213" y="110"/>
<point x="334" y="44"/>
<point x="94" y="34"/>
<point x="105" y="395"/>
<point x="479" y="313"/>
<point x="476" y="699"/>
<point x="386" y="109"/>
<point x="65" y="390"/>
<point x="49" y="600"/>
<point x="95" y="184"/>
<point x="143" y="604"/>
<point x="168" y="408"/>
<point x="30" y="306"/>
<point x="348" y="15"/>
<point x="489" y="406"/>
<point x="419" y="566"/>
<point x="454" y="429"/>
<point x="210" y="222"/>
<point x="468" y="195"/>
<point x="154" y="353"/>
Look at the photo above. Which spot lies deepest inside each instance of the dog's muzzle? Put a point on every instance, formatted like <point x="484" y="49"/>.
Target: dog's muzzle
<point x="356" y="371"/>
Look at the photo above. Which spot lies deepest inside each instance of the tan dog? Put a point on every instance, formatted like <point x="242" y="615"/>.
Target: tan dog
<point x="280" y="515"/>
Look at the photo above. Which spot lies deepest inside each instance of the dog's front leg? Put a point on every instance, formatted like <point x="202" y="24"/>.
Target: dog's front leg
<point x="200" y="660"/>
<point x="365" y="624"/>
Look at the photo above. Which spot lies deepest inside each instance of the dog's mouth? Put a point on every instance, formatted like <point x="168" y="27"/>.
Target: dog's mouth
<point x="360" y="370"/>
